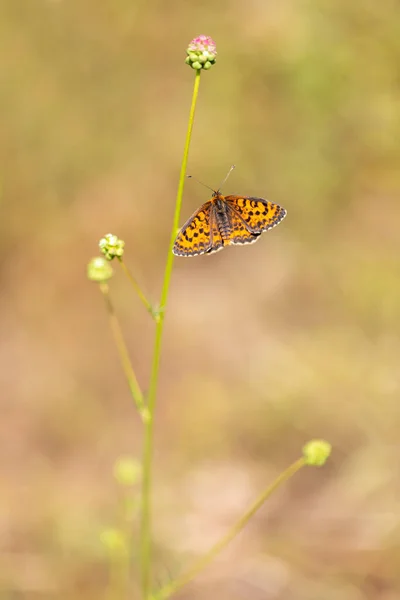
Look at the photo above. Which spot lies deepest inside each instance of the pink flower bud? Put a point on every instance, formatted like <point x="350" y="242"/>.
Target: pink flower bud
<point x="201" y="52"/>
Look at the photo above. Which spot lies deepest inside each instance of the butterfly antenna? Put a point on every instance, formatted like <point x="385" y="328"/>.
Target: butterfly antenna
<point x="200" y="182"/>
<point x="226" y="177"/>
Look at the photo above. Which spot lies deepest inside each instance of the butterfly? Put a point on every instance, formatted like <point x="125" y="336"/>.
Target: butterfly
<point x="226" y="220"/>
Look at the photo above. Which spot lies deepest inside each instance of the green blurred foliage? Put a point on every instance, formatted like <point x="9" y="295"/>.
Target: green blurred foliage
<point x="266" y="347"/>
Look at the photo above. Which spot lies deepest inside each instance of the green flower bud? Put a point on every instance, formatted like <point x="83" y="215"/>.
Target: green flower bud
<point x="99" y="270"/>
<point x="127" y="470"/>
<point x="316" y="452"/>
<point x="111" y="246"/>
<point x="201" y="51"/>
<point x="114" y="541"/>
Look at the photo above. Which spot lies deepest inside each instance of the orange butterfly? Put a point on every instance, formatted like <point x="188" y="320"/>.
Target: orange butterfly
<point x="226" y="220"/>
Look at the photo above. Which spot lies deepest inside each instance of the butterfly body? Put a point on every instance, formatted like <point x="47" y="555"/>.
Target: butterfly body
<point x="221" y="216"/>
<point x="226" y="220"/>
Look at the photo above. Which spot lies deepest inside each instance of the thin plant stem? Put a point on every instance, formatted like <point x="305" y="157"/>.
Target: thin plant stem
<point x="124" y="560"/>
<point x="119" y="575"/>
<point x="136" y="287"/>
<point x="205" y="560"/>
<point x="131" y="378"/>
<point x="145" y="537"/>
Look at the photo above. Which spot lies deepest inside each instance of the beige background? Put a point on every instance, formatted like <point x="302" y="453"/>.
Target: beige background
<point x="265" y="347"/>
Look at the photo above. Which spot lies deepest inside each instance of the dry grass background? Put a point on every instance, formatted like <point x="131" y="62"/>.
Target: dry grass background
<point x="266" y="346"/>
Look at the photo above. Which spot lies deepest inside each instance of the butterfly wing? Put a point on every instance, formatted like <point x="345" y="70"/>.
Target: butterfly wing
<point x="257" y="215"/>
<point x="195" y="237"/>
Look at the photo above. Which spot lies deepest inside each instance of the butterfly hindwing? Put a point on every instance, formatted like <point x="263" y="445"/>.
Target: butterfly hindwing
<point x="258" y="214"/>
<point x="239" y="231"/>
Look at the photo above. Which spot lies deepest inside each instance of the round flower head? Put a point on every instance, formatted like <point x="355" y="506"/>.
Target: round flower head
<point x="201" y="52"/>
<point x="111" y="246"/>
<point x="114" y="541"/>
<point x="127" y="471"/>
<point x="316" y="452"/>
<point x="99" y="270"/>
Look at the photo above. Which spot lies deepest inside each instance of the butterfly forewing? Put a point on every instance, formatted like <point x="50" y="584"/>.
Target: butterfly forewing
<point x="195" y="236"/>
<point x="258" y="214"/>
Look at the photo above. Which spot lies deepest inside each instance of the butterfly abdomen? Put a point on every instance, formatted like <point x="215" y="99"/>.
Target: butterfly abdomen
<point x="223" y="218"/>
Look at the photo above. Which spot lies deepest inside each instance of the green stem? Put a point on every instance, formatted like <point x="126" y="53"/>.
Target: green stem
<point x="145" y="541"/>
<point x="124" y="560"/>
<point x="131" y="378"/>
<point x="205" y="560"/>
<point x="119" y="576"/>
<point x="137" y="287"/>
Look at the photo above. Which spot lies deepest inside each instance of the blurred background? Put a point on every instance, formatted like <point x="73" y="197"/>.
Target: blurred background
<point x="265" y="346"/>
